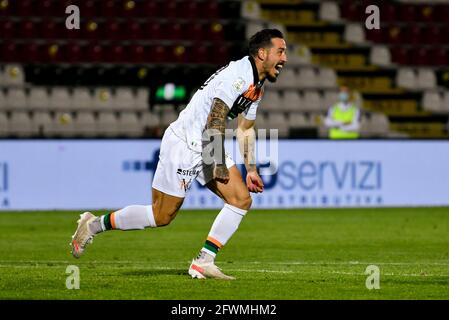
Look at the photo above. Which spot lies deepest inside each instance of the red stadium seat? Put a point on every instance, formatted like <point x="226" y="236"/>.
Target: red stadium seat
<point x="420" y="56"/>
<point x="179" y="54"/>
<point x="425" y="13"/>
<point x="431" y="34"/>
<point x="6" y="8"/>
<point x="220" y="54"/>
<point x="407" y="12"/>
<point x="92" y="30"/>
<point x="210" y="10"/>
<point x="175" y="31"/>
<point x="108" y="9"/>
<point x="400" y="55"/>
<point x="150" y="9"/>
<point x="74" y="53"/>
<point x="441" y="13"/>
<point x="88" y="8"/>
<point x="32" y="53"/>
<point x="28" y="30"/>
<point x="394" y="35"/>
<point x="44" y="8"/>
<point x="7" y="29"/>
<point x="169" y="9"/>
<point x="215" y="32"/>
<point x="376" y="35"/>
<point x="195" y="31"/>
<point x="199" y="53"/>
<point x="24" y="8"/>
<point x="50" y="30"/>
<point x="351" y="11"/>
<point x="444" y="36"/>
<point x="439" y="56"/>
<point x="138" y="54"/>
<point x="114" y="30"/>
<point x="154" y="30"/>
<point x="116" y="53"/>
<point x="129" y="8"/>
<point x="159" y="54"/>
<point x="133" y="30"/>
<point x="411" y="34"/>
<point x="190" y="10"/>
<point x="9" y="52"/>
<point x="94" y="53"/>
<point x="388" y="12"/>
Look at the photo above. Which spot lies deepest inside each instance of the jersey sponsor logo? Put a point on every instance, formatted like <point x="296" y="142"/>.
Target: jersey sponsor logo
<point x="238" y="84"/>
<point x="189" y="173"/>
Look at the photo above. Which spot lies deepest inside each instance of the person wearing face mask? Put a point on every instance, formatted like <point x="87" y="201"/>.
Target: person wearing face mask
<point x="343" y="117"/>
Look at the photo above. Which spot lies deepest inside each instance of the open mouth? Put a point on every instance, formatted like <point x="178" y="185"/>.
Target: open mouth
<point x="278" y="68"/>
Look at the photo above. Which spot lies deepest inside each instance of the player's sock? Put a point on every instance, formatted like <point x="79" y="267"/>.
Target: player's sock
<point x="130" y="218"/>
<point x="224" y="226"/>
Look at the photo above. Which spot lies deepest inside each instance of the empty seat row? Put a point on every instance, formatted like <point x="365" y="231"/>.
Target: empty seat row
<point x="61" y="98"/>
<point x="96" y="53"/>
<point x="436" y="102"/>
<point x="116" y="30"/>
<point x="114" y="8"/>
<point x="420" y="56"/>
<point x="390" y="11"/>
<point x="293" y="100"/>
<point x="85" y="124"/>
<point x="422" y="78"/>
<point x="410" y="34"/>
<point x="306" y="77"/>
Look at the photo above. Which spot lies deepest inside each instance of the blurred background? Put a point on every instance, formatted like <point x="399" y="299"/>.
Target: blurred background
<point x="133" y="65"/>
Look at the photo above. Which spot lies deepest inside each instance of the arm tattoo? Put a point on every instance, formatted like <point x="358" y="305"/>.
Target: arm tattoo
<point x="216" y="125"/>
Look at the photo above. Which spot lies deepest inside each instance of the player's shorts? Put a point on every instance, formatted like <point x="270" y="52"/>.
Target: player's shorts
<point x="179" y="166"/>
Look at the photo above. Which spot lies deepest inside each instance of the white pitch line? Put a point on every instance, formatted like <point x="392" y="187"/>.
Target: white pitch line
<point x="393" y="274"/>
<point x="283" y="263"/>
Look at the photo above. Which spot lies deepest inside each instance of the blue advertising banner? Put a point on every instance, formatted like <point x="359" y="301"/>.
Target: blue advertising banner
<point x="111" y="174"/>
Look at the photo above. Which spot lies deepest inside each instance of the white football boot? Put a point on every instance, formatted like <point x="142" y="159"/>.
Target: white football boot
<point x="83" y="236"/>
<point x="204" y="270"/>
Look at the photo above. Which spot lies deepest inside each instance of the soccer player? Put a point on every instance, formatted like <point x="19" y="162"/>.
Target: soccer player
<point x="234" y="91"/>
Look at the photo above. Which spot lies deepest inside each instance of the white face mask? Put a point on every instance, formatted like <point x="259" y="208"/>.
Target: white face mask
<point x="343" y="96"/>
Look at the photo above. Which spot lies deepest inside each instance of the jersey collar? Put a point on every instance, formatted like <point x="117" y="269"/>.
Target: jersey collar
<point x="255" y="72"/>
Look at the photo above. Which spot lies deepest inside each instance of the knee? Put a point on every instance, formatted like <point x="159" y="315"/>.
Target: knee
<point x="242" y="201"/>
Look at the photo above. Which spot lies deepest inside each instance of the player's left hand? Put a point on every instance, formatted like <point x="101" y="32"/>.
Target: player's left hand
<point x="254" y="182"/>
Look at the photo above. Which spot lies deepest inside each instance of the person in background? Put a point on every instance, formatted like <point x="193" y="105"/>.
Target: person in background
<point x="343" y="118"/>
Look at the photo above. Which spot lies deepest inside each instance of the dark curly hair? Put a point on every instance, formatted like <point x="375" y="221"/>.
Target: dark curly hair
<point x="262" y="39"/>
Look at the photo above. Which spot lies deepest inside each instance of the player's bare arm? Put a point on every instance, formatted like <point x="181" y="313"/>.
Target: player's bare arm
<point x="216" y="125"/>
<point x="246" y="137"/>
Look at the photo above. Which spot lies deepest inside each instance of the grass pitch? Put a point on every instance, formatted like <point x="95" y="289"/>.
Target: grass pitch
<point x="276" y="254"/>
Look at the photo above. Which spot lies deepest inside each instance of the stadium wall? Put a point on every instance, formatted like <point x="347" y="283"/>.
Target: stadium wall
<point x="110" y="174"/>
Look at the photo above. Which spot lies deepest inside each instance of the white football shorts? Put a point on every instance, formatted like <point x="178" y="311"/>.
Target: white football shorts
<point x="179" y="166"/>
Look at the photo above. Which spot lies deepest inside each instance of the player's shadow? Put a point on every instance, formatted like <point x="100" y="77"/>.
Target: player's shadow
<point x="156" y="272"/>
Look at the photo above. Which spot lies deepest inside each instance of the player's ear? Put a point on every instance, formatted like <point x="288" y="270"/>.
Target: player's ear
<point x="262" y="54"/>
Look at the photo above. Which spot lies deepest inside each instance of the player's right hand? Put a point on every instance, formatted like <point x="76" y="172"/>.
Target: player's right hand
<point x="221" y="173"/>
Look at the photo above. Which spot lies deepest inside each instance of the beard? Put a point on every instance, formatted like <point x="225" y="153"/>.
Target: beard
<point x="271" y="78"/>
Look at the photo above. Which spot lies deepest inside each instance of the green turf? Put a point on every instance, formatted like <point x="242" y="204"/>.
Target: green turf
<point x="276" y="254"/>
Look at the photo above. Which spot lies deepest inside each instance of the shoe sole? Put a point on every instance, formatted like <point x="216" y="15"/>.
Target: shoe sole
<point x="77" y="251"/>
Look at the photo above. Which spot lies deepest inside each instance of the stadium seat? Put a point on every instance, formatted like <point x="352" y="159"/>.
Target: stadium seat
<point x="149" y="120"/>
<point x="62" y="126"/>
<point x="287" y="80"/>
<point x="3" y="124"/>
<point x="432" y="101"/>
<point x="129" y="125"/>
<point x="107" y="125"/>
<point x="38" y="99"/>
<point x="380" y="55"/>
<point x="299" y="120"/>
<point x="20" y="125"/>
<point x="82" y="99"/>
<point x="278" y="121"/>
<point x="102" y="99"/>
<point x="329" y="99"/>
<point x="123" y="99"/>
<point x="7" y="29"/>
<point x="426" y="79"/>
<point x="327" y="78"/>
<point x="2" y="100"/>
<point x="60" y="99"/>
<point x="312" y="101"/>
<point x="13" y="75"/>
<point x="271" y="101"/>
<point x="354" y="33"/>
<point x="142" y="99"/>
<point x="400" y="55"/>
<point x="445" y="102"/>
<point x="85" y="124"/>
<point x="292" y="101"/>
<point x="16" y="99"/>
<point x="168" y="117"/>
<point x="420" y="56"/>
<point x="307" y="78"/>
<point x="406" y="78"/>
<point x="41" y="122"/>
<point x="329" y="11"/>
